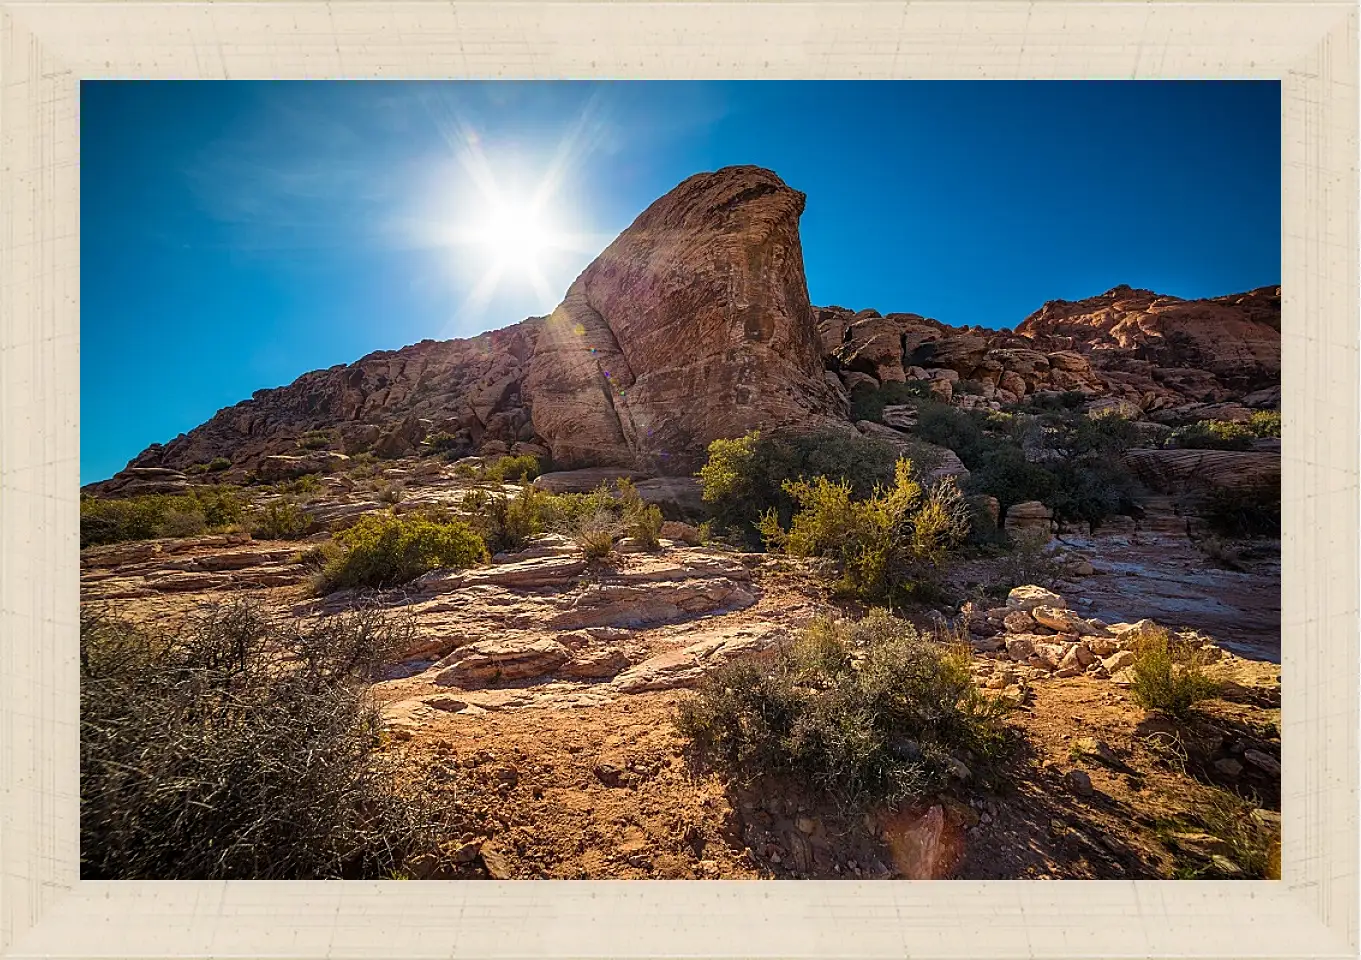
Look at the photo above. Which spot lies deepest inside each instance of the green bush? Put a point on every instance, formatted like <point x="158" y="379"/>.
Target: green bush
<point x="744" y="478"/>
<point x="885" y="546"/>
<point x="383" y="551"/>
<point x="442" y="442"/>
<point x="641" y="521"/>
<point x="240" y="746"/>
<point x="1253" y="511"/>
<point x="307" y="483"/>
<point x="1212" y="435"/>
<point x="869" y="404"/>
<point x="518" y="469"/>
<point x="315" y="440"/>
<point x="280" y="520"/>
<point x="1169" y="674"/>
<point x="218" y="464"/>
<point x="521" y="469"/>
<point x="1265" y="423"/>
<point x="201" y="509"/>
<point x="866" y="712"/>
<point x="1074" y="465"/>
<point x="505" y="522"/>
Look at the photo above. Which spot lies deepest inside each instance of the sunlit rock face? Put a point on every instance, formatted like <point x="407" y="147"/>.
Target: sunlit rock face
<point x="693" y="324"/>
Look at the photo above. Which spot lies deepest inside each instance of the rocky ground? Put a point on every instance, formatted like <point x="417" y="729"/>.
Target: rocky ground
<point x="545" y="684"/>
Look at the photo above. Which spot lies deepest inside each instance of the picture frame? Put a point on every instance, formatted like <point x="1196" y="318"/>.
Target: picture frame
<point x="48" y="46"/>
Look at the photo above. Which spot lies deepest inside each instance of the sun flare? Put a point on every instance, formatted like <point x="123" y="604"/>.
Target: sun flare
<point x="516" y="237"/>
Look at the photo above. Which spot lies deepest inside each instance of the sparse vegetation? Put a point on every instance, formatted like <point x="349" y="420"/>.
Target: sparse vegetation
<point x="1253" y="511"/>
<point x="315" y="440"/>
<point x="1212" y="435"/>
<point x="201" y="509"/>
<point x="867" y="712"/>
<point x="1169" y="674"/>
<point x="642" y="521"/>
<point x="517" y="469"/>
<point x="885" y="546"/>
<point x="383" y="550"/>
<point x="596" y="534"/>
<point x="869" y="404"/>
<point x="744" y="478"/>
<point x="1223" y="837"/>
<point x="308" y="483"/>
<point x="505" y="522"/>
<point x="281" y="519"/>
<point x="238" y="746"/>
<point x="442" y="443"/>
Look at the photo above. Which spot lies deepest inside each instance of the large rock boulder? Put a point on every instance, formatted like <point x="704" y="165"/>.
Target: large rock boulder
<point x="693" y="324"/>
<point x="1191" y="471"/>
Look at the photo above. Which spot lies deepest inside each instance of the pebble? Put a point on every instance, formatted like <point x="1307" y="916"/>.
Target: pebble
<point x="1079" y="782"/>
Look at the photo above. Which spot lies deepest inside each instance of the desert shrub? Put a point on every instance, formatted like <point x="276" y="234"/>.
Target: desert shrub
<point x="234" y="746"/>
<point x="519" y="469"/>
<point x="305" y="484"/>
<point x="867" y="712"/>
<point x="744" y="478"/>
<point x="595" y="534"/>
<point x="389" y="492"/>
<point x="1169" y="674"/>
<point x="218" y="464"/>
<point x="442" y="442"/>
<point x="884" y="546"/>
<point x="947" y="426"/>
<point x="1253" y="511"/>
<point x="1005" y="473"/>
<point x="281" y="519"/>
<point x="505" y="522"/>
<point x="1212" y="435"/>
<point x="315" y="440"/>
<point x="202" y="509"/>
<point x="869" y="404"/>
<point x="1265" y="423"/>
<point x="522" y="468"/>
<point x="383" y="550"/>
<point x="641" y="521"/>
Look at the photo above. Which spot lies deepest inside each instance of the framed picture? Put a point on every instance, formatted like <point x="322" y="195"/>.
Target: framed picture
<point x="678" y="479"/>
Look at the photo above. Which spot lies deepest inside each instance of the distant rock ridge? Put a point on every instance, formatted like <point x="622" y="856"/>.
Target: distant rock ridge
<point x="695" y="324"/>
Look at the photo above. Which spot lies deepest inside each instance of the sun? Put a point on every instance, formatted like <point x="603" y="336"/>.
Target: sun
<point x="516" y="236"/>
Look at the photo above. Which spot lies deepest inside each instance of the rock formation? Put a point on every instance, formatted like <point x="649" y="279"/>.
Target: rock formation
<point x="695" y="324"/>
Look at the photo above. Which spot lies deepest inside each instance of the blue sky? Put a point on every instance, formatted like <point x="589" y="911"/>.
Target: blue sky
<point x="235" y="235"/>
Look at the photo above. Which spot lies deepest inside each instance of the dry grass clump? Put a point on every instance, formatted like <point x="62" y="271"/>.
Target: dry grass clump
<point x="1169" y="674"/>
<point x="233" y="746"/>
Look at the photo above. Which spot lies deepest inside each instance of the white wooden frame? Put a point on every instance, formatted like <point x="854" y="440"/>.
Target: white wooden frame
<point x="47" y="47"/>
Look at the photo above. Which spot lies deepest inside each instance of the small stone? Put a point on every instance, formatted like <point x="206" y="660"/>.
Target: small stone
<point x="1268" y="765"/>
<point x="1226" y="866"/>
<point x="1079" y="782"/>
<point x="467" y="852"/>
<point x="956" y="768"/>
<point x="1229" y="767"/>
<point x="1118" y="661"/>
<point x="498" y="867"/>
<point x="608" y="774"/>
<point x="806" y="825"/>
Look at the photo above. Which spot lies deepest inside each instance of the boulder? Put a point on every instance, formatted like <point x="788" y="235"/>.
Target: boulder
<point x="585" y="480"/>
<point x="490" y="661"/>
<point x="1028" y="520"/>
<point x="285" y="467"/>
<point x="1029" y="597"/>
<point x="693" y="325"/>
